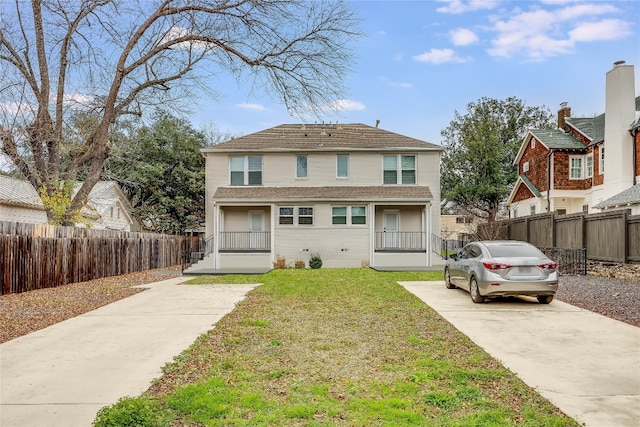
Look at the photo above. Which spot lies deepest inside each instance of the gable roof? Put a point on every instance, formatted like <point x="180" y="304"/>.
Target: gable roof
<point x="629" y="196"/>
<point x="19" y="192"/>
<point x="368" y="193"/>
<point x="552" y="139"/>
<point x="523" y="180"/>
<point x="322" y="137"/>
<point x="557" y="139"/>
<point x="591" y="127"/>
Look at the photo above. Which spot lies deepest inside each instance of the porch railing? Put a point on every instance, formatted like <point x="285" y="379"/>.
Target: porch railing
<point x="197" y="252"/>
<point x="244" y="241"/>
<point x="401" y="241"/>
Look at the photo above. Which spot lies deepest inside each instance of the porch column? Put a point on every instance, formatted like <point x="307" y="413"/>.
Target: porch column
<point x="216" y="235"/>
<point x="428" y="218"/>
<point x="274" y="218"/>
<point x="372" y="233"/>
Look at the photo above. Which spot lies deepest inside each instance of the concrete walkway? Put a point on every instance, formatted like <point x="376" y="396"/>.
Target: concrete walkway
<point x="586" y="364"/>
<point x="62" y="375"/>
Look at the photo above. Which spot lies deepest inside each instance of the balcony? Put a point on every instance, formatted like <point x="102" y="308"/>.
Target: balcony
<point x="244" y="241"/>
<point x="401" y="241"/>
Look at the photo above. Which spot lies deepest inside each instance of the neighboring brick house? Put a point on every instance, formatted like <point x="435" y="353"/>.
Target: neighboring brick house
<point x="563" y="170"/>
<point x="107" y="207"/>
<point x="354" y="194"/>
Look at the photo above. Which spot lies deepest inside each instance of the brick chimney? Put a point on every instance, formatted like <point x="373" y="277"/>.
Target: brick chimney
<point x="563" y="113"/>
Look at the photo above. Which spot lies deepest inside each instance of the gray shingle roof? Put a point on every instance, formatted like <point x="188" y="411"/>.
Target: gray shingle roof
<point x="557" y="139"/>
<point x="530" y="186"/>
<point x="18" y="192"/>
<point x="364" y="193"/>
<point x="323" y="137"/>
<point x="593" y="127"/>
<point x="629" y="196"/>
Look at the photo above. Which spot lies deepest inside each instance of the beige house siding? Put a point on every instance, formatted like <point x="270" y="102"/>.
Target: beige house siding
<point x="20" y="214"/>
<point x="349" y="245"/>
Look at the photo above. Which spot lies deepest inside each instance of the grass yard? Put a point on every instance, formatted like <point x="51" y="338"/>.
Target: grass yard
<point x="334" y="347"/>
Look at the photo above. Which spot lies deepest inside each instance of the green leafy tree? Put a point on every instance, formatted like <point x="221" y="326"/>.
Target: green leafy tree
<point x="161" y="170"/>
<point x="477" y="171"/>
<point x="112" y="59"/>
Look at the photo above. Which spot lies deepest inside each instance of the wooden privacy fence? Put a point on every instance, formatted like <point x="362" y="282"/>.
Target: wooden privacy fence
<point x="609" y="236"/>
<point x="36" y="256"/>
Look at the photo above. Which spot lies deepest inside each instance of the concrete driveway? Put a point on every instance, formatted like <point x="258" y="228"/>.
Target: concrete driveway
<point x="62" y="375"/>
<point x="586" y="364"/>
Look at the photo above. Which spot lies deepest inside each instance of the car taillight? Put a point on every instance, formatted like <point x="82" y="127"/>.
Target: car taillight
<point x="548" y="266"/>
<point x="492" y="265"/>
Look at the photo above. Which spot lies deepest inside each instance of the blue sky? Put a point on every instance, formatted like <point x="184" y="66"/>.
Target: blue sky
<point x="420" y="61"/>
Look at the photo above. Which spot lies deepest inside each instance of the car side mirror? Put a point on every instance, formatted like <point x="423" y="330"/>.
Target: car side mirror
<point x="454" y="257"/>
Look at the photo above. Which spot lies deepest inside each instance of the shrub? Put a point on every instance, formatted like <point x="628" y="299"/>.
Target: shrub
<point x="315" y="261"/>
<point x="299" y="263"/>
<point x="133" y="412"/>
<point x="280" y="262"/>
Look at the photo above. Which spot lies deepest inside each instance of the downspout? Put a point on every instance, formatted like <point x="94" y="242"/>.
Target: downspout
<point x="634" y="134"/>
<point x="549" y="156"/>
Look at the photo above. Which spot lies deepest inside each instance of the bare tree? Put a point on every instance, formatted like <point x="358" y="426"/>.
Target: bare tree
<point x="109" y="58"/>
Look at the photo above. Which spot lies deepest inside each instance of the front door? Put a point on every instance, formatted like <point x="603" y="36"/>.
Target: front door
<point x="256" y="228"/>
<point x="390" y="237"/>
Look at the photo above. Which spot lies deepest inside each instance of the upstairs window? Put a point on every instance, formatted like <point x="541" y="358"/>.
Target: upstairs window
<point x="404" y="174"/>
<point x="601" y="159"/>
<point x="575" y="167"/>
<point x="342" y="166"/>
<point x="588" y="166"/>
<point x="245" y="170"/>
<point x="301" y="166"/>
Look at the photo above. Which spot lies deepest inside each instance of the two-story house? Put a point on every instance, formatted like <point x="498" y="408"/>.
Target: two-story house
<point x="354" y="194"/>
<point x="107" y="206"/>
<point x="563" y="170"/>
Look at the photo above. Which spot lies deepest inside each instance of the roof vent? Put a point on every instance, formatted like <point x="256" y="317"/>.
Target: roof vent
<point x="377" y="123"/>
<point x="618" y="63"/>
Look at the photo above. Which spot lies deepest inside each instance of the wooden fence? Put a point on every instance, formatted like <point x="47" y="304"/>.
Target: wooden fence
<point x="609" y="236"/>
<point x="36" y="256"/>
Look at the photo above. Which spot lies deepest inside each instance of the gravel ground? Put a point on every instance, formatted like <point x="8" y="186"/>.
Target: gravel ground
<point x="613" y="291"/>
<point x="611" y="297"/>
<point x="26" y="312"/>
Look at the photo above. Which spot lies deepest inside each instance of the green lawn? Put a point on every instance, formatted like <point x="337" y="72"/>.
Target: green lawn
<point x="334" y="347"/>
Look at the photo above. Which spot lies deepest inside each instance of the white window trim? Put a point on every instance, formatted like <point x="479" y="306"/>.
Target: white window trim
<point x="571" y="158"/>
<point x="245" y="179"/>
<point x="296" y="166"/>
<point x="588" y="174"/>
<point x="399" y="169"/>
<point x="298" y="216"/>
<point x="338" y="156"/>
<point x="349" y="214"/>
<point x="525" y="167"/>
<point x="601" y="162"/>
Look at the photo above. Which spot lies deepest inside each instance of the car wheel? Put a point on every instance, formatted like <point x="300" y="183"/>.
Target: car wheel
<point x="447" y="279"/>
<point x="474" y="291"/>
<point x="545" y="299"/>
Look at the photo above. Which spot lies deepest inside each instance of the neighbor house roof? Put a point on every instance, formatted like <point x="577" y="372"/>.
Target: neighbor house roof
<point x="18" y="192"/>
<point x="557" y="139"/>
<point x="364" y="193"/>
<point x="523" y="180"/>
<point x="319" y="137"/>
<point x="629" y="196"/>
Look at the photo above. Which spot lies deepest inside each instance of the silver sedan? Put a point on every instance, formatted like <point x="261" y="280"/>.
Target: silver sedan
<point x="502" y="268"/>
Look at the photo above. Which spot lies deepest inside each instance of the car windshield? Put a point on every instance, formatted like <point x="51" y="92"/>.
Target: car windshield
<point x="514" y="251"/>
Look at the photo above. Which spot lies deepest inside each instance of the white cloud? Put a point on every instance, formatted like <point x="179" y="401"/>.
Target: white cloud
<point x="608" y="29"/>
<point x="463" y="37"/>
<point x="439" y="56"/>
<point x="542" y="33"/>
<point x="76" y="99"/>
<point x="347" y="105"/>
<point x="401" y="85"/>
<point x="252" y="107"/>
<point x="460" y="6"/>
